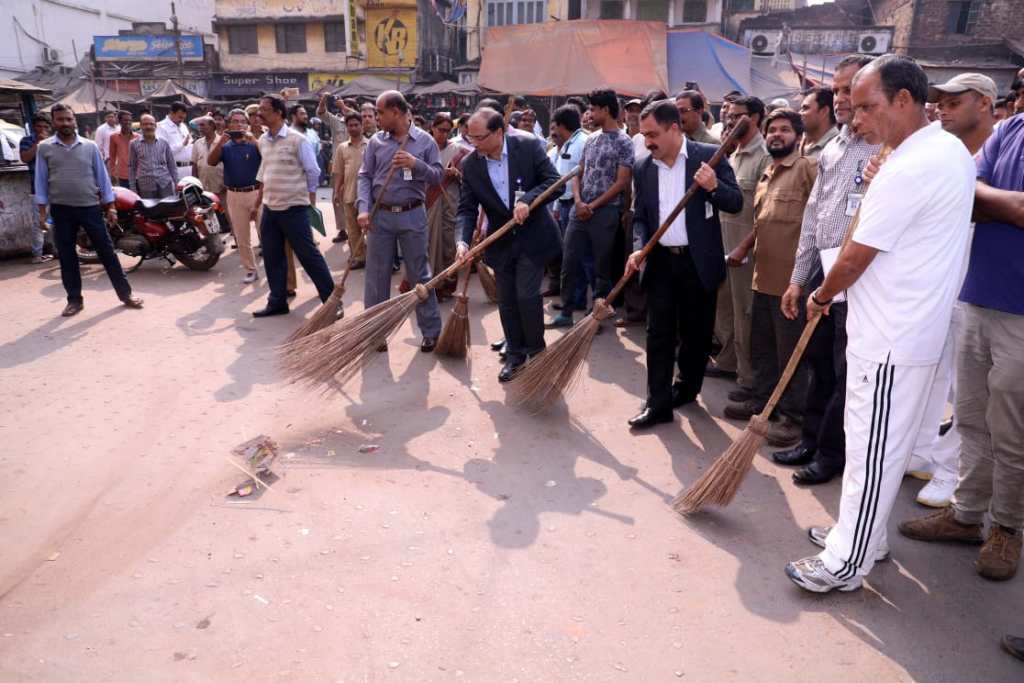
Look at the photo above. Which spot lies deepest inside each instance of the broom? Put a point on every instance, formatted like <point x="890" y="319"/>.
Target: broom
<point x="487" y="281"/>
<point x="556" y="369"/>
<point x="348" y="345"/>
<point x="454" y="339"/>
<point x="718" y="485"/>
<point x="329" y="311"/>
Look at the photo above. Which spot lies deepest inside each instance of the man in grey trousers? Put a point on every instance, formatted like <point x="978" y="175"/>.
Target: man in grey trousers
<point x="401" y="218"/>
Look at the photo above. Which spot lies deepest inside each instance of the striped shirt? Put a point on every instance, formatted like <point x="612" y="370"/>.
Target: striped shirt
<point x="151" y="166"/>
<point x="826" y="217"/>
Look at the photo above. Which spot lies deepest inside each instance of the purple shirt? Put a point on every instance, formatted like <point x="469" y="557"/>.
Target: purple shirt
<point x="995" y="273"/>
<point x="377" y="156"/>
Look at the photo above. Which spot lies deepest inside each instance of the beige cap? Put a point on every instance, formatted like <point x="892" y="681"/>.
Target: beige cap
<point x="979" y="83"/>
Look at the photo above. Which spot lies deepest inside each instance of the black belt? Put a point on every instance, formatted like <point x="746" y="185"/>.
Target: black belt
<point x="182" y="164"/>
<point x="401" y="208"/>
<point x="566" y="201"/>
<point x="250" y="188"/>
<point x="678" y="251"/>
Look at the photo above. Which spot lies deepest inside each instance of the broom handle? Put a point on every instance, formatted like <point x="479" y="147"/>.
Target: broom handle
<point x="464" y="274"/>
<point x="500" y="232"/>
<point x="798" y="352"/>
<point x="739" y="129"/>
<point x="387" y="179"/>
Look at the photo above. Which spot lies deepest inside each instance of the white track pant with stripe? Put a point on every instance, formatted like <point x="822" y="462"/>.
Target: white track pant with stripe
<point x="885" y="409"/>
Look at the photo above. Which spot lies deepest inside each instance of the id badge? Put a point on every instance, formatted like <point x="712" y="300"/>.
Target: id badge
<point x="519" y="196"/>
<point x="853" y="200"/>
<point x="407" y="174"/>
<point x="709" y="211"/>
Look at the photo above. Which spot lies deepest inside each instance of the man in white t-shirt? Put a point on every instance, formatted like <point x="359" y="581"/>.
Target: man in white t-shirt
<point x="103" y="133"/>
<point x="911" y="237"/>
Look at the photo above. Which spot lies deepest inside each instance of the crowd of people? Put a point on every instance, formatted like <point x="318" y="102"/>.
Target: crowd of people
<point x="884" y="207"/>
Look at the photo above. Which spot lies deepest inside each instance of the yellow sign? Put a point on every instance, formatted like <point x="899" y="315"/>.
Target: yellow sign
<point x="333" y="80"/>
<point x="391" y="37"/>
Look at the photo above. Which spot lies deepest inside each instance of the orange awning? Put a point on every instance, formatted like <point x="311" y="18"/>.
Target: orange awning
<point x="575" y="57"/>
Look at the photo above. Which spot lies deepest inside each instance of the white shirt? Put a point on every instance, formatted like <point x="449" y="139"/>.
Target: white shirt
<point x="177" y="138"/>
<point x="671" y="188"/>
<point x="640" y="151"/>
<point x="917" y="213"/>
<point x="102" y="139"/>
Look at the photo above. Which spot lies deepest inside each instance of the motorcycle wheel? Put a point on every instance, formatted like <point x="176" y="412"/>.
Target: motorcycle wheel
<point x="203" y="258"/>
<point x="129" y="264"/>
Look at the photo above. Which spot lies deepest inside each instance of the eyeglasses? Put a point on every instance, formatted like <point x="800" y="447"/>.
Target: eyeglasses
<point x="479" y="138"/>
<point x="685" y="111"/>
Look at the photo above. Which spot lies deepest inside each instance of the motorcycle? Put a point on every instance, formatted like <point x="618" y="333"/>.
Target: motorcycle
<point x="185" y="227"/>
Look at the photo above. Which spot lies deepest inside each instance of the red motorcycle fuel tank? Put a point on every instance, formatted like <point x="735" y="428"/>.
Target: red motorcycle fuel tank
<point x="124" y="199"/>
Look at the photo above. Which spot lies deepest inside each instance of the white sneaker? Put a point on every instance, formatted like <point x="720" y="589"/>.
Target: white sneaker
<point x="249" y="277"/>
<point x="817" y="535"/>
<point x="811" y="575"/>
<point x="937" y="493"/>
<point x="919" y="468"/>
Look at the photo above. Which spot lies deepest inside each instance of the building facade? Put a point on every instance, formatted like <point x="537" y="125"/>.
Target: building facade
<point x="55" y="33"/>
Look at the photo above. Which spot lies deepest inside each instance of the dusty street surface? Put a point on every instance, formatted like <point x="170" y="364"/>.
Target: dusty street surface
<point x="477" y="543"/>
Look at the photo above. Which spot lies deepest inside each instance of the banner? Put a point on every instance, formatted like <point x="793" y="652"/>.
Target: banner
<point x="391" y="37"/>
<point x="147" y="48"/>
<point x="148" y="86"/>
<point x="352" y="45"/>
<point x="319" y="80"/>
<point x="254" y="83"/>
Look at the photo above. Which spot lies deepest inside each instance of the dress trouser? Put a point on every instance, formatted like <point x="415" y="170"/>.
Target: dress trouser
<point x="773" y="337"/>
<point x="725" y="331"/>
<point x="597" y="233"/>
<point x="408" y="230"/>
<point x="240" y="208"/>
<point x="520" y="305"/>
<point x="680" y="322"/>
<point x="885" y="408"/>
<point x="356" y="238"/>
<point x="66" y="221"/>
<point x="940" y="455"/>
<point x="740" y="290"/>
<point x="824" y="408"/>
<point x="563" y="209"/>
<point x="291" y="227"/>
<point x="990" y="416"/>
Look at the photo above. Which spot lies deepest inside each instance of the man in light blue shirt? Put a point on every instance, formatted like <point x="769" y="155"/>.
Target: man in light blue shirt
<point x="71" y="178"/>
<point x="569" y="137"/>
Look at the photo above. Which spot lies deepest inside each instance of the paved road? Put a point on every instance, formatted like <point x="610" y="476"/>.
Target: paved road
<point x="477" y="543"/>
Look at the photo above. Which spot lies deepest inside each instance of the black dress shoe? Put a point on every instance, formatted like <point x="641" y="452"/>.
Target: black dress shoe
<point x="340" y="237"/>
<point x="715" y="371"/>
<point x="267" y="312"/>
<point x="73" y="308"/>
<point x="648" y="418"/>
<point x="945" y="426"/>
<point x="508" y="370"/>
<point x="815" y="473"/>
<point x="551" y="291"/>
<point x="498" y="345"/>
<point x="132" y="302"/>
<point x="291" y="293"/>
<point x="794" y="457"/>
<point x="428" y="344"/>
<point x="681" y="398"/>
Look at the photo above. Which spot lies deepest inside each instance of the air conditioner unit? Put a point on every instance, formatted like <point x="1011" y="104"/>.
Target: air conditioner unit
<point x="763" y="42"/>
<point x="873" y="43"/>
<point x="51" y="55"/>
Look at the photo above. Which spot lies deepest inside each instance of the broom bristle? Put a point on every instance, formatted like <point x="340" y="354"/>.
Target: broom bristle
<point x="341" y="350"/>
<point x="556" y="370"/>
<point x="454" y="339"/>
<point x="488" y="282"/>
<point x="719" y="484"/>
<point x="324" y="316"/>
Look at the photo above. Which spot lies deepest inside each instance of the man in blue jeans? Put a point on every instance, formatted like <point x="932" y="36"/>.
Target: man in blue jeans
<point x="71" y="178"/>
<point x="288" y="179"/>
<point x="605" y="172"/>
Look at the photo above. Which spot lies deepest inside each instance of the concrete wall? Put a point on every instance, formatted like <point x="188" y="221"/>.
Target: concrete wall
<point x="268" y="59"/>
<point x="926" y="27"/>
<point x="27" y="25"/>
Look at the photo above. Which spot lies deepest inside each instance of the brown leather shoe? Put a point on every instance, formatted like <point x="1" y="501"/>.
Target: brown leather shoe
<point x="132" y="302"/>
<point x="999" y="556"/>
<point x="941" y="526"/>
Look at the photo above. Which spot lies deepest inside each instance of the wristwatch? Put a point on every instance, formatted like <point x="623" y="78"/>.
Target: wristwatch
<point x="814" y="298"/>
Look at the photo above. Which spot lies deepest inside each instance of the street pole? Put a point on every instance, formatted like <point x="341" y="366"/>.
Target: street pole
<point x="177" y="45"/>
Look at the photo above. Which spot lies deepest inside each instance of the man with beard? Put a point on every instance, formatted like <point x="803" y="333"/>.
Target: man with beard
<point x="912" y="234"/>
<point x="683" y="272"/>
<point x="837" y="192"/>
<point x="70" y="177"/>
<point x="818" y="112"/>
<point x="778" y="210"/>
<point x="299" y="119"/>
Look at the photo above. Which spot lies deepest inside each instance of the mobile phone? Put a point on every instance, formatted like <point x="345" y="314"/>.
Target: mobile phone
<point x="236" y="134"/>
<point x="691" y="85"/>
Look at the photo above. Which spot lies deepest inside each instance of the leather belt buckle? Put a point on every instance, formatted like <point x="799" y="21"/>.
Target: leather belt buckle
<point x="395" y="209"/>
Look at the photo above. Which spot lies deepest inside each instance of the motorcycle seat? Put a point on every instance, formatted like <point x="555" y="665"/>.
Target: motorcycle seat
<point x="167" y="207"/>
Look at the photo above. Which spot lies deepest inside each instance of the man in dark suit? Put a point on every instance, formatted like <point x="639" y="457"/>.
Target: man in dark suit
<point x="683" y="272"/>
<point x="506" y="172"/>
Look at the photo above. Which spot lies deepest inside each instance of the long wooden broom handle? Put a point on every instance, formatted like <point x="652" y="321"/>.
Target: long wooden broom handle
<point x="500" y="232"/>
<point x="805" y="337"/>
<point x="737" y="131"/>
<point x="387" y="178"/>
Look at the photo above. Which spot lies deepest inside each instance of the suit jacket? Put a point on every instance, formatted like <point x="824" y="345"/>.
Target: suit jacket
<point x="538" y="237"/>
<point x="704" y="234"/>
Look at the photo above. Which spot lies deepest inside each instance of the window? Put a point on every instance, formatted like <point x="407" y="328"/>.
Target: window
<point x="505" y="12"/>
<point x="652" y="10"/>
<point x="741" y="5"/>
<point x="962" y="17"/>
<point x="695" y="11"/>
<point x="290" y="38"/>
<point x="334" y="37"/>
<point x="242" y="40"/>
<point x="612" y="9"/>
<point x="575" y="9"/>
